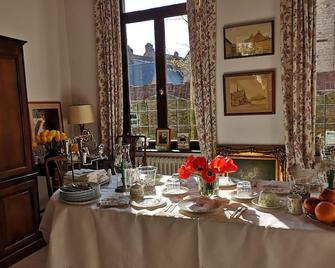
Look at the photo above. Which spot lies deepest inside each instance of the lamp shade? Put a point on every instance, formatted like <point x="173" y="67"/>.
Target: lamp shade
<point x="81" y="114"/>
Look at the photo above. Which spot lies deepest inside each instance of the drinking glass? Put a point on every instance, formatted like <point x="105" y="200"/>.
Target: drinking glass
<point x="147" y="176"/>
<point x="173" y="183"/>
<point x="243" y="189"/>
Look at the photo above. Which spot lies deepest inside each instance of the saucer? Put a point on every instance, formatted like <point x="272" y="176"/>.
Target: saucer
<point x="236" y="197"/>
<point x="255" y="203"/>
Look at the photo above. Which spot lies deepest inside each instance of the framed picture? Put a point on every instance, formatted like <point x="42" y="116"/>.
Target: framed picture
<point x="249" y="39"/>
<point x="183" y="141"/>
<point x="249" y="93"/>
<point x="45" y="115"/>
<point x="163" y="139"/>
<point x="257" y="162"/>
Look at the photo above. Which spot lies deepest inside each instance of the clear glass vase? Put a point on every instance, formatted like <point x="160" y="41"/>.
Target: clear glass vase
<point x="208" y="189"/>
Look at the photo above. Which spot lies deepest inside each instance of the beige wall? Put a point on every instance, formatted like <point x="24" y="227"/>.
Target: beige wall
<point x="61" y="61"/>
<point x="42" y="24"/>
<point x="252" y="129"/>
<point x="81" y="36"/>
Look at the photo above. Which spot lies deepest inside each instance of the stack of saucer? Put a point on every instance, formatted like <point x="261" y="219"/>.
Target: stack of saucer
<point x="76" y="195"/>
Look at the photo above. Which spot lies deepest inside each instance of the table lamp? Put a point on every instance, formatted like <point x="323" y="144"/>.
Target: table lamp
<point x="81" y="115"/>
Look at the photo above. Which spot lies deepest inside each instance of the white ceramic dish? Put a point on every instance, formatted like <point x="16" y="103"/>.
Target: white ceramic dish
<point x="255" y="203"/>
<point x="173" y="192"/>
<point x="149" y="203"/>
<point x="200" y="205"/>
<point x="236" y="197"/>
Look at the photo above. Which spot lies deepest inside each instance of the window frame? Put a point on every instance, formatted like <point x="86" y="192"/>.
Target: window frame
<point x="157" y="15"/>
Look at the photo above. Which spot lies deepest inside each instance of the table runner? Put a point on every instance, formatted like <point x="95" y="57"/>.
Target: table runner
<point x="86" y="236"/>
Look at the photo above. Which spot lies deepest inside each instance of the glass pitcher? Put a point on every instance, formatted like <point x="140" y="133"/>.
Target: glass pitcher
<point x="122" y="162"/>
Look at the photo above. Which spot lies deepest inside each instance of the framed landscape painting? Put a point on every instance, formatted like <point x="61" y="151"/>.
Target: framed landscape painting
<point x="249" y="93"/>
<point x="247" y="40"/>
<point x="45" y="115"/>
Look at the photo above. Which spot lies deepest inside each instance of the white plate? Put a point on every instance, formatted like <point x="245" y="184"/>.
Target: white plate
<point x="236" y="197"/>
<point x="255" y="202"/>
<point x="200" y="205"/>
<point x="92" y="201"/>
<point x="149" y="203"/>
<point x="171" y="192"/>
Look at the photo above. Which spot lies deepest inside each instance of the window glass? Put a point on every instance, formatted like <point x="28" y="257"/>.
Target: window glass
<point x="142" y="78"/>
<point x="325" y="66"/>
<point x="181" y="117"/>
<point x="136" y="5"/>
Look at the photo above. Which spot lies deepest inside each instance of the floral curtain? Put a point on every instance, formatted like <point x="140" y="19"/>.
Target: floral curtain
<point x="109" y="68"/>
<point x="298" y="79"/>
<point x="202" y="29"/>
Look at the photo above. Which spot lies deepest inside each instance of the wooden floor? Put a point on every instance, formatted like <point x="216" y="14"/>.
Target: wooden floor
<point x="36" y="260"/>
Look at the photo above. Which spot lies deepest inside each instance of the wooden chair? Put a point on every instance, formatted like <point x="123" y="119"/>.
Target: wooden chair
<point x="132" y="140"/>
<point x="55" y="168"/>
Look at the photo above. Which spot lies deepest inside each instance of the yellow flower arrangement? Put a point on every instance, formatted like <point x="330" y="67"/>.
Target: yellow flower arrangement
<point x="50" y="139"/>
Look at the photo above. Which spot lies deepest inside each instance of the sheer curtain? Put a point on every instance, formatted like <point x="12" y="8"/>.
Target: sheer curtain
<point x="298" y="79"/>
<point x="109" y="68"/>
<point x="202" y="29"/>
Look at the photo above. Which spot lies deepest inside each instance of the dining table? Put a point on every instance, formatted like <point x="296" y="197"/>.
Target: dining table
<point x="80" y="236"/>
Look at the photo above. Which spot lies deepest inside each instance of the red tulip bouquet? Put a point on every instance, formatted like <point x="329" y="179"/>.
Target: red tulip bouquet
<point x="207" y="171"/>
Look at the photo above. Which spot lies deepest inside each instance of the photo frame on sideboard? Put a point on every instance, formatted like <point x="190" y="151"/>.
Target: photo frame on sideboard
<point x="163" y="139"/>
<point x="45" y="115"/>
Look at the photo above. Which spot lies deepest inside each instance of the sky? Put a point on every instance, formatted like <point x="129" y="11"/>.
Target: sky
<point x="140" y="33"/>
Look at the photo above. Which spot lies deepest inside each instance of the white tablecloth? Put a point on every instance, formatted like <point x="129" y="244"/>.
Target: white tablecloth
<point x="87" y="236"/>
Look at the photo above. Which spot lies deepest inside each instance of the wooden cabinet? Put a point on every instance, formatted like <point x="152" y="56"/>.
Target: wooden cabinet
<point x="19" y="207"/>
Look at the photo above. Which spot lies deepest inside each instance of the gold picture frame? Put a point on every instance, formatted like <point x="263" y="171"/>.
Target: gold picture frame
<point x="249" y="93"/>
<point x="257" y="160"/>
<point x="45" y="115"/>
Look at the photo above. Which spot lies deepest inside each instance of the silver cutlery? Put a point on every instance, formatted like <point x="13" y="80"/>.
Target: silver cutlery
<point x="167" y="208"/>
<point x="238" y="212"/>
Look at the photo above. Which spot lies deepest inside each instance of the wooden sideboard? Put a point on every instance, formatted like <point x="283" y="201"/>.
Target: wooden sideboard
<point x="19" y="207"/>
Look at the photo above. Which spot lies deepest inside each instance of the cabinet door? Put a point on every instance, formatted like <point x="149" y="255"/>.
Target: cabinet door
<point x="15" y="141"/>
<point x="19" y="216"/>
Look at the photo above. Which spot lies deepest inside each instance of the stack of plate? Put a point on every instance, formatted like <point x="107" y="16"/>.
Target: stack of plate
<point x="79" y="196"/>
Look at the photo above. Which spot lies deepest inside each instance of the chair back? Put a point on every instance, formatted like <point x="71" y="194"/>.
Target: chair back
<point x="132" y="140"/>
<point x="55" y="168"/>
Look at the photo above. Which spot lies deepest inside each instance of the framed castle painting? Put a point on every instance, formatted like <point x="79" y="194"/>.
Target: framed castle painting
<point x="249" y="93"/>
<point x="249" y="39"/>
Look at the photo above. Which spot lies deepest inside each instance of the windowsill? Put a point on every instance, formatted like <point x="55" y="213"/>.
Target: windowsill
<point x="153" y="152"/>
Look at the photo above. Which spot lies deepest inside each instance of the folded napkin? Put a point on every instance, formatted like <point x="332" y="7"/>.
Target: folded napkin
<point x="97" y="176"/>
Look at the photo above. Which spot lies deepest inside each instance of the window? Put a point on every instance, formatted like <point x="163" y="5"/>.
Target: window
<point x="325" y="66"/>
<point x="156" y="63"/>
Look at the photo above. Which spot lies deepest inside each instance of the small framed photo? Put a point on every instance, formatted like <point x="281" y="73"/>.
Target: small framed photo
<point x="249" y="93"/>
<point x="249" y="39"/>
<point x="163" y="139"/>
<point x="45" y="115"/>
<point x="183" y="141"/>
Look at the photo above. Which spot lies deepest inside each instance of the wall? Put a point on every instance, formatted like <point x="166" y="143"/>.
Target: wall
<point x="325" y="35"/>
<point x="251" y="129"/>
<point x="42" y="24"/>
<point x="82" y="51"/>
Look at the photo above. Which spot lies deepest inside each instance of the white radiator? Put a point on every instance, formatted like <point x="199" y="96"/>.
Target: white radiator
<point x="166" y="165"/>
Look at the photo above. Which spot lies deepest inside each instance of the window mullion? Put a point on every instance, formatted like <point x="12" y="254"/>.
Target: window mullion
<point x="162" y="121"/>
